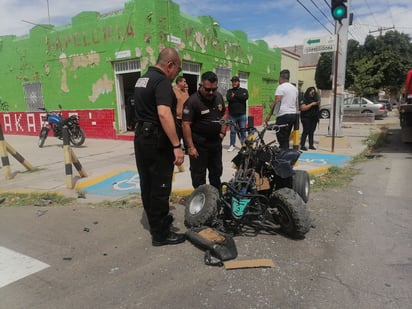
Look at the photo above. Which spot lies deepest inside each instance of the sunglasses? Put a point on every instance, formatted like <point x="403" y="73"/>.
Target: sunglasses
<point x="180" y="68"/>
<point x="209" y="89"/>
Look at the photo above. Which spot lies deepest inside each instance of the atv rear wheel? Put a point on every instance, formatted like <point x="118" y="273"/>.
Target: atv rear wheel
<point x="292" y="215"/>
<point x="301" y="184"/>
<point x="201" y="208"/>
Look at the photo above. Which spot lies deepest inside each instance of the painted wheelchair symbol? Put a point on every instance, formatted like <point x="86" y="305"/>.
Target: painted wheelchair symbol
<point x="130" y="184"/>
<point x="316" y="161"/>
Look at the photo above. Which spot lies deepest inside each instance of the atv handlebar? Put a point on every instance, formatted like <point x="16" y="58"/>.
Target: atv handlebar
<point x="271" y="127"/>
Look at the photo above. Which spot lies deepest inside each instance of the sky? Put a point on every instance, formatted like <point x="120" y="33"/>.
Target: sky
<point x="280" y="23"/>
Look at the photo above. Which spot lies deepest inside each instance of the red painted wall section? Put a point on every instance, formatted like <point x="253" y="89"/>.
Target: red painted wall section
<point x="98" y="123"/>
<point x="257" y="113"/>
<point x="95" y="123"/>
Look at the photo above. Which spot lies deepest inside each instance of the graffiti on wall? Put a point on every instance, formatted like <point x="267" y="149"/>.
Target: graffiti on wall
<point x="95" y="36"/>
<point x="95" y="123"/>
<point x="4" y="106"/>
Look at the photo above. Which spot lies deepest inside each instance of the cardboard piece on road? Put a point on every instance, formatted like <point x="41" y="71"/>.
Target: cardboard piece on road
<point x="257" y="263"/>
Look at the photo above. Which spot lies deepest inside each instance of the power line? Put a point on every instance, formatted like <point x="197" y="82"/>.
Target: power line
<point x="373" y="15"/>
<point x="381" y="29"/>
<point x="369" y="25"/>
<point x="313" y="16"/>
<point x="390" y="12"/>
<point x="356" y="26"/>
<point x="327" y="18"/>
<point x="327" y="3"/>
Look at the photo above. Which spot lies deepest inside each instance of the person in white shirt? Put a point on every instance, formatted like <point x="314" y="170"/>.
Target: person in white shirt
<point x="285" y="108"/>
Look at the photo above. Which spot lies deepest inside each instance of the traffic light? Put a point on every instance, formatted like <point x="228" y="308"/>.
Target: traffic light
<point x="339" y="9"/>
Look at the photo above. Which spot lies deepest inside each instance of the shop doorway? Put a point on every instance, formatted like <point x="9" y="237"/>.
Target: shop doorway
<point x="127" y="73"/>
<point x="191" y="71"/>
<point x="192" y="82"/>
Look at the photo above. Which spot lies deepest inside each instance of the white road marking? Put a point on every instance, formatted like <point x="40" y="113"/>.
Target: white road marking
<point x="15" y="266"/>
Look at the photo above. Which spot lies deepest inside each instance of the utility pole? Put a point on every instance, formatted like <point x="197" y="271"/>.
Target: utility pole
<point x="381" y="29"/>
<point x="339" y="70"/>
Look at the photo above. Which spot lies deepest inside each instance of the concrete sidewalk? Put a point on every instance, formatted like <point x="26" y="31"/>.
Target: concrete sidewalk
<point x="111" y="171"/>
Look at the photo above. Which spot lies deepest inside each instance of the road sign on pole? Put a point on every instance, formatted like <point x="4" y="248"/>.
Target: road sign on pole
<point x="320" y="44"/>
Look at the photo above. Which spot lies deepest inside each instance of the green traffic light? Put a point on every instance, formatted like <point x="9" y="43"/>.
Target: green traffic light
<point x="339" y="12"/>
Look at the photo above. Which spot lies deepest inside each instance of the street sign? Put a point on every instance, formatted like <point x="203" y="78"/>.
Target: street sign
<point x="320" y="44"/>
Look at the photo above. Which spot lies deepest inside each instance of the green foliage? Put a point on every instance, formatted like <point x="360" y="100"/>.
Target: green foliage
<point x="324" y="71"/>
<point x="381" y="63"/>
<point x="35" y="199"/>
<point x="368" y="78"/>
<point x="377" y="139"/>
<point x="336" y="177"/>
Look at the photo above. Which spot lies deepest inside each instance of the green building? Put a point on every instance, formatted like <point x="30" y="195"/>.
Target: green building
<point x="91" y="65"/>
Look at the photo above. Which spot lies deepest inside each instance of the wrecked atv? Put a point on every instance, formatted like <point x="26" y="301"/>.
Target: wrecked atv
<point x="264" y="194"/>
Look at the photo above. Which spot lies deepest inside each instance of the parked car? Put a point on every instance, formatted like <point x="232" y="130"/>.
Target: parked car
<point x="385" y="102"/>
<point x="356" y="104"/>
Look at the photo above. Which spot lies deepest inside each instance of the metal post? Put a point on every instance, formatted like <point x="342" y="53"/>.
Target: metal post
<point x="4" y="158"/>
<point x="67" y="158"/>
<point x="335" y="86"/>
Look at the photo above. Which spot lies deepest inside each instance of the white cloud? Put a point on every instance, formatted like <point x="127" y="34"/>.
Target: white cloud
<point x="295" y="36"/>
<point x="280" y="23"/>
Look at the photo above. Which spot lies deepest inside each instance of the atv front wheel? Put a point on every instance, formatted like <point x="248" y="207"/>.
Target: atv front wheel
<point x="293" y="216"/>
<point x="201" y="208"/>
<point x="301" y="184"/>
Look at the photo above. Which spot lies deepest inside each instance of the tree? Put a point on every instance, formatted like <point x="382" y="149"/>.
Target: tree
<point x="368" y="77"/>
<point x="381" y="63"/>
<point x="353" y="54"/>
<point x="323" y="72"/>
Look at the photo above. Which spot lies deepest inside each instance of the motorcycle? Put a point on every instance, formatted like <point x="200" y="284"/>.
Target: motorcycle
<point x="55" y="121"/>
<point x="265" y="192"/>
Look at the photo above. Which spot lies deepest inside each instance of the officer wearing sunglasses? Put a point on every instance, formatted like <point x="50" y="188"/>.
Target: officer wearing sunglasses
<point x="203" y="133"/>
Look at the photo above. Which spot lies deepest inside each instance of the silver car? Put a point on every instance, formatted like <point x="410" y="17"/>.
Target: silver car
<point x="356" y="104"/>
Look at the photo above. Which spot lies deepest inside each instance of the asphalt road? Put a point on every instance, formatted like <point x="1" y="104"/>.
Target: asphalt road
<point x="359" y="254"/>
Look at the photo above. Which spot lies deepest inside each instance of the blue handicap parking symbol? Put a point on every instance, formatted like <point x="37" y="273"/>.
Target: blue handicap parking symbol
<point x="120" y="184"/>
<point x="324" y="158"/>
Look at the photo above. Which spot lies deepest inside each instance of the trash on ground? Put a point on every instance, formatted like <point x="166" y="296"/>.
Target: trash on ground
<point x="256" y="263"/>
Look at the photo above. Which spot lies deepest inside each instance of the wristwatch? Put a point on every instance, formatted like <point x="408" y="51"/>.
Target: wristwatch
<point x="178" y="146"/>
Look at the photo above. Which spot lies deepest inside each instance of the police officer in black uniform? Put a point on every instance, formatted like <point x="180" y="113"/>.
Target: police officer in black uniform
<point x="157" y="145"/>
<point x="203" y="133"/>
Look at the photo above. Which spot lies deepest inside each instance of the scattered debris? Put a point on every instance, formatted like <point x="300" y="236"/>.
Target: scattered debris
<point x="257" y="263"/>
<point x="42" y="212"/>
<point x="86" y="229"/>
<point x="43" y="202"/>
<point x="67" y="259"/>
<point x="81" y="195"/>
<point x="113" y="270"/>
<point x="313" y="225"/>
<point x="373" y="155"/>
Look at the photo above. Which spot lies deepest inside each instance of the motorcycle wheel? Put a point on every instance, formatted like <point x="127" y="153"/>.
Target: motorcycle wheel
<point x="301" y="184"/>
<point x="42" y="137"/>
<point x="77" y="137"/>
<point x="201" y="208"/>
<point x="293" y="216"/>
